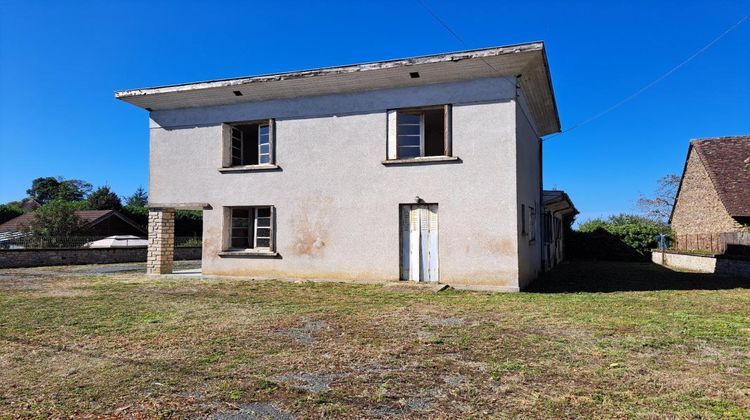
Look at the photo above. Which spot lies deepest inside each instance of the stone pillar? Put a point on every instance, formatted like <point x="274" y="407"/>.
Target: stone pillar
<point x="160" y="258"/>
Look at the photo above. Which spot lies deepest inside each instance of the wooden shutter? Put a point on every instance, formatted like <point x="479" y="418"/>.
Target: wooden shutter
<point x="433" y="243"/>
<point x="414" y="244"/>
<point x="226" y="146"/>
<point x="405" y="241"/>
<point x="448" y="130"/>
<point x="272" y="236"/>
<point x="272" y="145"/>
<point x="392" y="135"/>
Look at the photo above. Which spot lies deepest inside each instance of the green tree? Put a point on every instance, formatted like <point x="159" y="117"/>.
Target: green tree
<point x="103" y="199"/>
<point x="637" y="232"/>
<point x="49" y="188"/>
<point x="54" y="223"/>
<point x="138" y="199"/>
<point x="8" y="211"/>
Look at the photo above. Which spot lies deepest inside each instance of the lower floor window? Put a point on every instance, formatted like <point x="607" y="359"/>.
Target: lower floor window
<point x="252" y="227"/>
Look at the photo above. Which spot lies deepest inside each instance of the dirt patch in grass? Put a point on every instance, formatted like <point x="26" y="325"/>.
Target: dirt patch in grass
<point x="124" y="345"/>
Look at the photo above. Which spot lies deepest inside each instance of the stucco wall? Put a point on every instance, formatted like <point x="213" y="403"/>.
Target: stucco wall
<point x="333" y="188"/>
<point x="698" y="208"/>
<point x="529" y="192"/>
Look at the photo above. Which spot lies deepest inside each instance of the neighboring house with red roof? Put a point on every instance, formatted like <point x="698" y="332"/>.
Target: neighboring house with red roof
<point x="714" y="192"/>
<point x="95" y="222"/>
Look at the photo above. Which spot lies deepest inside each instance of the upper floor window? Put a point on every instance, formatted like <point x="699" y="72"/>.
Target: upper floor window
<point x="419" y="132"/>
<point x="249" y="144"/>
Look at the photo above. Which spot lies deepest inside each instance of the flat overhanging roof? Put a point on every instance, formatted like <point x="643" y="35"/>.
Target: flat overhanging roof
<point x="529" y="61"/>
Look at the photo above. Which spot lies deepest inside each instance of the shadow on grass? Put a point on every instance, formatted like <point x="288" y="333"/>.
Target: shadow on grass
<point x="613" y="276"/>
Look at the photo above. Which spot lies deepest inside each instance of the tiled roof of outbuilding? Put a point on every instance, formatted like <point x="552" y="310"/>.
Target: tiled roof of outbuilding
<point x="723" y="158"/>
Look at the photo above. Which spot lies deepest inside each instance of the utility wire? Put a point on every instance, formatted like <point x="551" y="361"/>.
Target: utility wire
<point x="654" y="82"/>
<point x="616" y="105"/>
<point x="455" y="35"/>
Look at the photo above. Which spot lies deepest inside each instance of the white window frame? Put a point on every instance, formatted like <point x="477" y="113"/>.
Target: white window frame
<point x="241" y="138"/>
<point x="230" y="133"/>
<point x="392" y="149"/>
<point x="268" y="142"/>
<point x="256" y="227"/>
<point x="420" y="113"/>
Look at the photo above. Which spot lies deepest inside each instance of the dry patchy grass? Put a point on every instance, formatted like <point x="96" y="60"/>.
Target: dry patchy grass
<point x="131" y="346"/>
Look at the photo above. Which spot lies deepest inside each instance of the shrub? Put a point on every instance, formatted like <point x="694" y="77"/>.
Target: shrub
<point x="8" y="212"/>
<point x="620" y="237"/>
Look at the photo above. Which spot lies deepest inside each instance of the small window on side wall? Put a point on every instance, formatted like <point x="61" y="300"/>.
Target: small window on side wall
<point x="419" y="132"/>
<point x="249" y="144"/>
<point x="252" y="228"/>
<point x="532" y="224"/>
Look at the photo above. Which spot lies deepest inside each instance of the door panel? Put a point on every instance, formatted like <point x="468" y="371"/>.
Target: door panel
<point x="419" y="242"/>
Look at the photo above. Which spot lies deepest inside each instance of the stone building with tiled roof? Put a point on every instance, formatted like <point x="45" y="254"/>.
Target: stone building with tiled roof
<point x="714" y="192"/>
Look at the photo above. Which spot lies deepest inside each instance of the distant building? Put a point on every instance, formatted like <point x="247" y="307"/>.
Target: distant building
<point x="29" y="204"/>
<point x="558" y="211"/>
<point x="714" y="192"/>
<point x="95" y="223"/>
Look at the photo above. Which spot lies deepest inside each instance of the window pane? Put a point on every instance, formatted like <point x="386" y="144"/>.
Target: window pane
<point x="264" y="212"/>
<point x="264" y="232"/>
<point x="408" y="140"/>
<point x="240" y="213"/>
<point x="263" y="243"/>
<point x="404" y="118"/>
<point x="409" y="129"/>
<point x="408" y="152"/>
<point x="264" y="159"/>
<point x="263" y="222"/>
<point x="264" y="148"/>
<point x="240" y="243"/>
<point x="240" y="222"/>
<point x="263" y="130"/>
<point x="240" y="232"/>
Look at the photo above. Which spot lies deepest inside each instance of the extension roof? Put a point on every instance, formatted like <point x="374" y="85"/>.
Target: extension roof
<point x="723" y="158"/>
<point x="529" y="61"/>
<point x="558" y="201"/>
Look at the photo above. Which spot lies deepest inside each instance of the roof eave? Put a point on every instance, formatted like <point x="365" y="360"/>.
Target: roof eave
<point x="332" y="70"/>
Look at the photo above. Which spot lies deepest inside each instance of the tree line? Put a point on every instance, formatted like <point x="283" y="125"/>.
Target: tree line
<point x="60" y="199"/>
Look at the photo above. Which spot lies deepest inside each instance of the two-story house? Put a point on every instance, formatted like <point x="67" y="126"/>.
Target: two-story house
<point x="425" y="169"/>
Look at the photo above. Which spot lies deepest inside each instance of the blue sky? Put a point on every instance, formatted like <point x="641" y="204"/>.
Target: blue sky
<point x="61" y="61"/>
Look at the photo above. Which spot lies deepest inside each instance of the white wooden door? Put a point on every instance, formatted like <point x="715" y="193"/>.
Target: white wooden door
<point x="419" y="242"/>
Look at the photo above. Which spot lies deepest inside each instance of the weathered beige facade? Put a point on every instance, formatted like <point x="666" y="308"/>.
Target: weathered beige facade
<point x="698" y="208"/>
<point x="333" y="189"/>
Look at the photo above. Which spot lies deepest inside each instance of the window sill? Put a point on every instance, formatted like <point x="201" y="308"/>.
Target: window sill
<point x="422" y="160"/>
<point x="250" y="168"/>
<point x="249" y="254"/>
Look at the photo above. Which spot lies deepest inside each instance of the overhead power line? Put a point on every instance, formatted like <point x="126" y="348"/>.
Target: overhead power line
<point x="621" y="102"/>
<point x="654" y="82"/>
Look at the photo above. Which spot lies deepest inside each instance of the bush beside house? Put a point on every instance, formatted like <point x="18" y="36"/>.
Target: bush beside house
<point x="622" y="237"/>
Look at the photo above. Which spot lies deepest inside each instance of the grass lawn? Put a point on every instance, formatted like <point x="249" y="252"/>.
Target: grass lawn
<point x="131" y="346"/>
